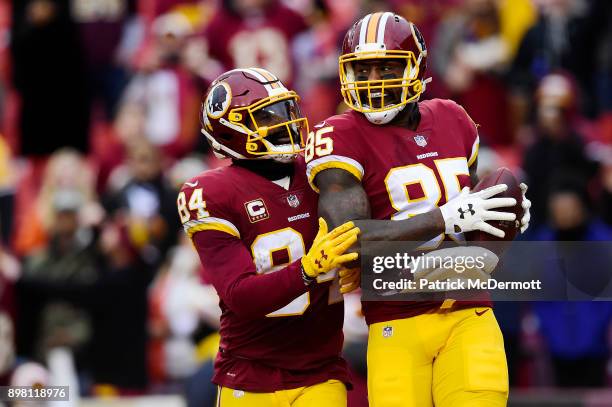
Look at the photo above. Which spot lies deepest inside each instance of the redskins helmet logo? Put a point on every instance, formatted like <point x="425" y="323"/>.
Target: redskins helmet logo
<point x="218" y="100"/>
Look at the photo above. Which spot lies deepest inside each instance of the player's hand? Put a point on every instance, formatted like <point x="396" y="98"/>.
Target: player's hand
<point x="470" y="211"/>
<point x="329" y="248"/>
<point x="526" y="204"/>
<point x="350" y="279"/>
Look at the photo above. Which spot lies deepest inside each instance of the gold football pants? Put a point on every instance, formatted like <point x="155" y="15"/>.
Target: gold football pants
<point x="442" y="359"/>
<point x="331" y="393"/>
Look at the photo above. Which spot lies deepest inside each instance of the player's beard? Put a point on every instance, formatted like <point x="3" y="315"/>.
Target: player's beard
<point x="268" y="168"/>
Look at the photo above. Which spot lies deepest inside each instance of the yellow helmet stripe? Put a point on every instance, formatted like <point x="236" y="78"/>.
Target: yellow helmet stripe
<point x="372" y="29"/>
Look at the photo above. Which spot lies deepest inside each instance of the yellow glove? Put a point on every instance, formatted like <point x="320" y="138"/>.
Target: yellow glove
<point x="350" y="279"/>
<point x="327" y="251"/>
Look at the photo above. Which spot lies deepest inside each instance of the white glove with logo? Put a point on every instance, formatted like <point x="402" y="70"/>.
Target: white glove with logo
<point x="526" y="204"/>
<point x="470" y="211"/>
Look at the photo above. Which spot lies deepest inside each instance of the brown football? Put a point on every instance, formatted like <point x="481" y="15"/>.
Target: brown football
<point x="501" y="176"/>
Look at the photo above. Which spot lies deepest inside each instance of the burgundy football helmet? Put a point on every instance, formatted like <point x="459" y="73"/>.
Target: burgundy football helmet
<point x="249" y="114"/>
<point x="380" y="36"/>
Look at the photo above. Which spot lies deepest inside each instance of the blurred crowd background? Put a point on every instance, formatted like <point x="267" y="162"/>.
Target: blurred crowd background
<point x="99" y="127"/>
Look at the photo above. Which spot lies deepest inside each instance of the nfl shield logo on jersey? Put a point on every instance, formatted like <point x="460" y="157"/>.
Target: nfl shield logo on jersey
<point x="420" y="140"/>
<point x="387" y="332"/>
<point x="293" y="201"/>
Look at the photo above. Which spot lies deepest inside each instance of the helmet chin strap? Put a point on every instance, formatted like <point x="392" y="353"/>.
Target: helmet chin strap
<point x="384" y="117"/>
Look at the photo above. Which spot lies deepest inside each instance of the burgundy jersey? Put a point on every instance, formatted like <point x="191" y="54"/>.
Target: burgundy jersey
<point x="276" y="332"/>
<point x="263" y="41"/>
<point x="403" y="172"/>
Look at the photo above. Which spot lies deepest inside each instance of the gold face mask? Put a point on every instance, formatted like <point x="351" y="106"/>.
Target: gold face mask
<point x="274" y="125"/>
<point x="361" y="95"/>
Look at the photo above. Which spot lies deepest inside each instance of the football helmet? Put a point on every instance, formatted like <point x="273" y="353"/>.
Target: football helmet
<point x="378" y="36"/>
<point x="250" y="114"/>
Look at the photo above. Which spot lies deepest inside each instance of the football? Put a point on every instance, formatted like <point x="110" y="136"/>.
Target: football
<point x="501" y="176"/>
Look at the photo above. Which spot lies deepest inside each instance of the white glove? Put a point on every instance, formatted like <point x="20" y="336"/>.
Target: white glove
<point x="526" y="204"/>
<point x="470" y="211"/>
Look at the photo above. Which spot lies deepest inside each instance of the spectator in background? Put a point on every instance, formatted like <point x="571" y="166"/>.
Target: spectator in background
<point x="68" y="258"/>
<point x="159" y="7"/>
<point x="7" y="192"/>
<point x="426" y="14"/>
<point x="566" y="36"/>
<point x="557" y="146"/>
<point x="65" y="169"/>
<point x="190" y="309"/>
<point x="49" y="75"/>
<point x="165" y="95"/>
<point x="604" y="81"/>
<point x="10" y="270"/>
<point x="470" y="57"/>
<point x="87" y="290"/>
<point x="319" y="47"/>
<point x="606" y="201"/>
<point x="516" y="17"/>
<point x="576" y="332"/>
<point x="109" y="33"/>
<point x="145" y="203"/>
<point x="247" y="33"/>
<point x="7" y="347"/>
<point x="182" y="308"/>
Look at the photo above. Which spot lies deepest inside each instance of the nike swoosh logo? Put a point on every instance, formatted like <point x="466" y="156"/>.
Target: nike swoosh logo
<point x="192" y="185"/>
<point x="481" y="312"/>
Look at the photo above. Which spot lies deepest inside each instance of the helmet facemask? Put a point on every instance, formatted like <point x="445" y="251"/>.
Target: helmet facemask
<point x="273" y="127"/>
<point x="277" y="129"/>
<point x="368" y="96"/>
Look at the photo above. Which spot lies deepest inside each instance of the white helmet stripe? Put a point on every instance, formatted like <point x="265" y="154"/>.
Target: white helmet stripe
<point x="262" y="78"/>
<point x="256" y="74"/>
<point x="364" y="28"/>
<point x="274" y="82"/>
<point x="380" y="36"/>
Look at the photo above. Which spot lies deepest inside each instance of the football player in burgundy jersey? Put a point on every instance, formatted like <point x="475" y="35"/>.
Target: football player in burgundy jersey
<point x="402" y="169"/>
<point x="255" y="33"/>
<point x="254" y="225"/>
